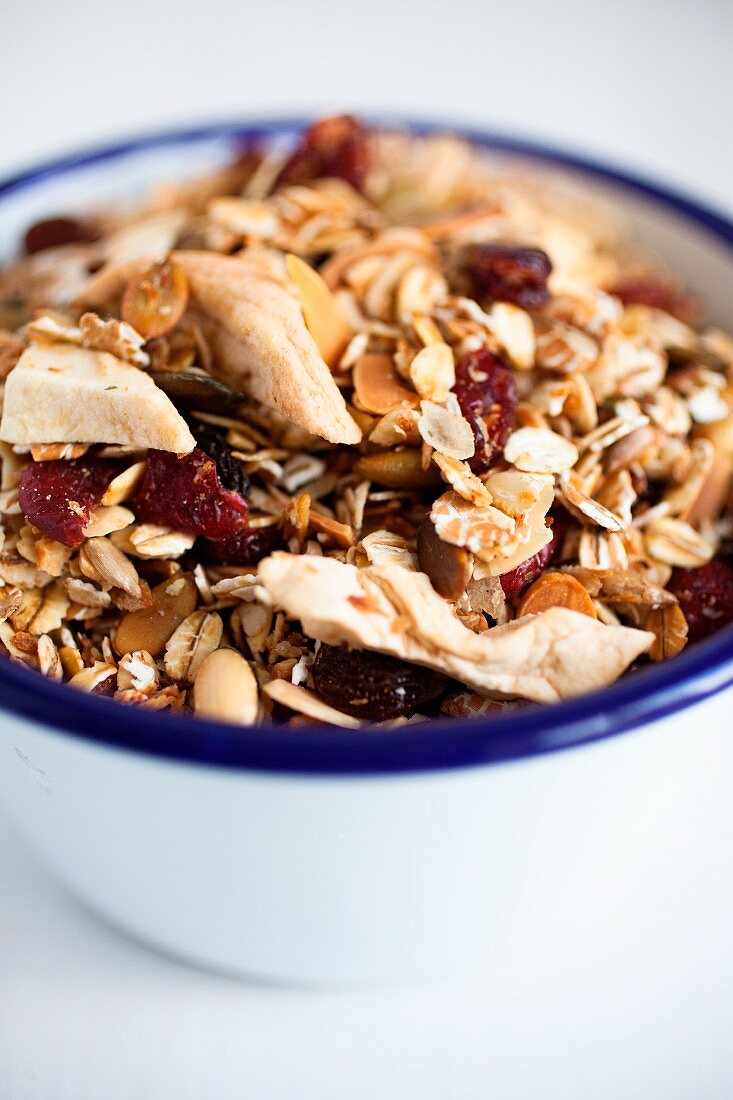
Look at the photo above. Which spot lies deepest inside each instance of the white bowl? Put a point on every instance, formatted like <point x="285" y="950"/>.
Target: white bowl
<point x="337" y="856"/>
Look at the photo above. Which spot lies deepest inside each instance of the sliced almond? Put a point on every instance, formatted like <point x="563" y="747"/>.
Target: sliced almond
<point x="105" y="519"/>
<point x="323" y="315"/>
<point x="433" y="372"/>
<point x="378" y="387"/>
<point x="123" y="486"/>
<point x="226" y="689"/>
<point x="554" y="589"/>
<point x="305" y="702"/>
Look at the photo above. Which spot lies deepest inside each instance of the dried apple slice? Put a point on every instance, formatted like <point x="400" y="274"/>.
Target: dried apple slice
<point x="554" y="655"/>
<point x="261" y="343"/>
<point x="64" y="394"/>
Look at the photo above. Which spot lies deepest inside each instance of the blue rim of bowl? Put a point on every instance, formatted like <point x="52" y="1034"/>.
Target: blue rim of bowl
<point x="646" y="696"/>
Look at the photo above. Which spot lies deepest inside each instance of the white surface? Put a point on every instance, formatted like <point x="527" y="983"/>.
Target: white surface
<point x="85" y="1014"/>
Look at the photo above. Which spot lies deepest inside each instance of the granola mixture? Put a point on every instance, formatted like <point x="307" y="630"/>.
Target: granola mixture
<point x="364" y="432"/>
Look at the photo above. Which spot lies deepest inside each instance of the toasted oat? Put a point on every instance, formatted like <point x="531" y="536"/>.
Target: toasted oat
<point x="191" y="643"/>
<point x="93" y="678"/>
<point x="446" y="430"/>
<point x="538" y="451"/>
<point x="138" y="671"/>
<point x="116" y="337"/>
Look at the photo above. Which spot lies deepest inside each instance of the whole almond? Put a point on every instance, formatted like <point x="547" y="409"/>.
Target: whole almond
<point x="174" y="599"/>
<point x="226" y="689"/>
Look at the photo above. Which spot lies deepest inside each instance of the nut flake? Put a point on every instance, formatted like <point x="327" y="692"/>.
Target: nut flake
<point x="539" y="451"/>
<point x="433" y="372"/>
<point x="445" y="430"/>
<point x="191" y="643"/>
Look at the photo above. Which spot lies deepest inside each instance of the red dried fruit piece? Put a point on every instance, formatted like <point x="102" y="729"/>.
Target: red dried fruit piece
<point x="705" y="596"/>
<point x="487" y="395"/>
<point x="335" y="146"/>
<point x="508" y="273"/>
<point x="247" y="546"/>
<point x="372" y="685"/>
<point x="57" y="496"/>
<point x="54" y="232"/>
<point x="516" y="580"/>
<point x="154" y="301"/>
<point x="187" y="494"/>
<point x="652" y="290"/>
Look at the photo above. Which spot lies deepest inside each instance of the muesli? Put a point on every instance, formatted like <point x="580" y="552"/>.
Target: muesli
<point x="367" y="431"/>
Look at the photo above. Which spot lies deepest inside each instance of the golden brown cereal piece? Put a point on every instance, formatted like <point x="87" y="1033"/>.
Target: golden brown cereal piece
<point x="174" y="600"/>
<point x="556" y="590"/>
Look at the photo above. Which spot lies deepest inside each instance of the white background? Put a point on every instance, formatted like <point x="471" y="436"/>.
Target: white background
<point x="86" y="1015"/>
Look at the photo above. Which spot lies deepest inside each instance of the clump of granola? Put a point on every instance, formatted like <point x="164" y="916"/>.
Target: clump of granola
<point x="366" y="433"/>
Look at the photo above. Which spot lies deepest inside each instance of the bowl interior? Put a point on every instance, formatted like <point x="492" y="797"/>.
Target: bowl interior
<point x="693" y="242"/>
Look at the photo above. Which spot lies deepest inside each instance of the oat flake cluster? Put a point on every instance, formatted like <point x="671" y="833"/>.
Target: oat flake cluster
<point x="367" y="432"/>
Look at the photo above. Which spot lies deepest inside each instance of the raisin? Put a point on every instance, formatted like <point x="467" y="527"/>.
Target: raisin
<point x="509" y="273"/>
<point x="487" y="395"/>
<point x="247" y="546"/>
<point x="57" y="496"/>
<point x="187" y="494"/>
<point x="54" y="232"/>
<point x="212" y="441"/>
<point x="705" y="596"/>
<point x="336" y="146"/>
<point x="370" y="685"/>
<point x="652" y="290"/>
<point x="519" y="578"/>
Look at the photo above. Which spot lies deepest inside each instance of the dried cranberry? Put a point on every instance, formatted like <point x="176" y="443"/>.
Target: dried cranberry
<point x="487" y="395"/>
<point x="705" y="596"/>
<point x="652" y="290"/>
<point x="332" y="147"/>
<point x="186" y="493"/>
<point x="212" y="441"/>
<point x="371" y="685"/>
<point x="509" y="273"/>
<point x="57" y="497"/>
<point x="519" y="578"/>
<point x="245" y="547"/>
<point x="54" y="232"/>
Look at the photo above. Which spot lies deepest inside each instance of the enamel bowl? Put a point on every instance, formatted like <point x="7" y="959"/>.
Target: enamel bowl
<point x="336" y="856"/>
